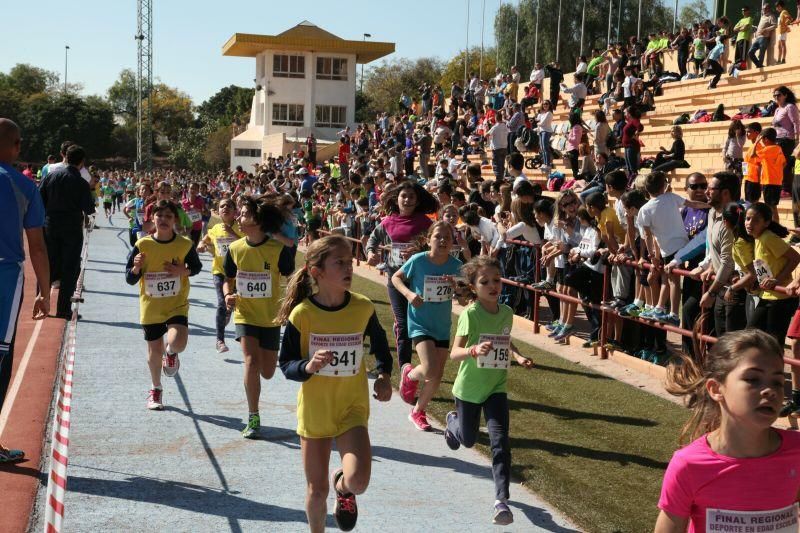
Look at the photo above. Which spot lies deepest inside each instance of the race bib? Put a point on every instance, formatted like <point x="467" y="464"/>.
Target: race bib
<point x="254" y="284"/>
<point x="586" y="244"/>
<point x="437" y="289"/>
<point x="745" y="167"/>
<point x="108" y="198"/>
<point x="455" y="251"/>
<point x="498" y="356"/>
<point x="222" y="244"/>
<point x="762" y="269"/>
<point x="161" y="284"/>
<point x="195" y="216"/>
<point x="140" y="217"/>
<point x="397" y="250"/>
<point x="347" y="350"/>
<point x="776" y="521"/>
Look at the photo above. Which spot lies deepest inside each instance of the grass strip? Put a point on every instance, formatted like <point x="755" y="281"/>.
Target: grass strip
<point x="591" y="446"/>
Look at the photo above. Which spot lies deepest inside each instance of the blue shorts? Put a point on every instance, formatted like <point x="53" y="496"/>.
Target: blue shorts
<point x="11" y="285"/>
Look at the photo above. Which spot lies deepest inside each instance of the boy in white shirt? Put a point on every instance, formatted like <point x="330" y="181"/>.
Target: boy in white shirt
<point x="664" y="235"/>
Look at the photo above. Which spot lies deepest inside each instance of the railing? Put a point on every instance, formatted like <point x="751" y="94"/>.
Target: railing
<point x="606" y="313"/>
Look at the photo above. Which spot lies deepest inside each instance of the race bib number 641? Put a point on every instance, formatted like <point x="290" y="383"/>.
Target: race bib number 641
<point x="347" y="350"/>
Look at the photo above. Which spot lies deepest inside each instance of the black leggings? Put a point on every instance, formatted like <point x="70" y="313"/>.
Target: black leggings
<point x="222" y="310"/>
<point x="400" y="310"/>
<point x="774" y="316"/>
<point x="466" y="428"/>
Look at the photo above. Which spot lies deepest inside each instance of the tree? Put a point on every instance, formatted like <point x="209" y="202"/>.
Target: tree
<point x="228" y="105"/>
<point x="217" y="153"/>
<point x="454" y="69"/>
<point x="384" y="83"/>
<point x="122" y="95"/>
<point x="655" y="16"/>
<point x="696" y="11"/>
<point x="28" y="80"/>
<point x="172" y="111"/>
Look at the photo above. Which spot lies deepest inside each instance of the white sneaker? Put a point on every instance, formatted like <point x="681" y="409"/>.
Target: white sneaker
<point x="221" y="347"/>
<point x="170" y="364"/>
<point x="154" y="400"/>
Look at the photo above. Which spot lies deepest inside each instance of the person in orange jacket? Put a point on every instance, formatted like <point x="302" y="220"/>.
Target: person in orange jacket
<point x="770" y="156"/>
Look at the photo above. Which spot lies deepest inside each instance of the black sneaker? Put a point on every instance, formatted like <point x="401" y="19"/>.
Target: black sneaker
<point x="345" y="510"/>
<point x="789" y="408"/>
<point x="452" y="441"/>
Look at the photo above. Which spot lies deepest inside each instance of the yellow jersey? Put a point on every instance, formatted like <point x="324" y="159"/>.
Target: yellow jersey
<point x="335" y="399"/>
<point x="257" y="270"/>
<point x="221" y="240"/>
<point x="162" y="295"/>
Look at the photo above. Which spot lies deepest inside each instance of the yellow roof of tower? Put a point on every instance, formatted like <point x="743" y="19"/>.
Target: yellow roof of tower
<point x="305" y="36"/>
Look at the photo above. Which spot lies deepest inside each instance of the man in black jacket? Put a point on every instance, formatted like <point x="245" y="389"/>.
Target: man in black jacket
<point x="66" y="199"/>
<point x="556" y="77"/>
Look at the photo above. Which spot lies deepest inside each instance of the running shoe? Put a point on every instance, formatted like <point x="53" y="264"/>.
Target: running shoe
<point x="557" y="331"/>
<point x="154" y="400"/>
<point x="544" y="285"/>
<point x="555" y="324"/>
<point x="669" y="319"/>
<point x="253" y="428"/>
<point x="564" y="333"/>
<point x="789" y="408"/>
<point x="502" y="514"/>
<point x="452" y="441"/>
<point x="221" y="347"/>
<point x="420" y="420"/>
<point x="630" y="310"/>
<point x="590" y="344"/>
<point x="170" y="364"/>
<point x="8" y="455"/>
<point x="345" y="510"/>
<point x="649" y="313"/>
<point x="408" y="387"/>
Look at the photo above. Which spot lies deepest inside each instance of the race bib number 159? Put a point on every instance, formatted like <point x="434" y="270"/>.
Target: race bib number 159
<point x="498" y="356"/>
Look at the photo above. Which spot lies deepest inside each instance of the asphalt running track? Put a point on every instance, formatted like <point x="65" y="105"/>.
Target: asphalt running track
<point x="188" y="469"/>
<point x="26" y="411"/>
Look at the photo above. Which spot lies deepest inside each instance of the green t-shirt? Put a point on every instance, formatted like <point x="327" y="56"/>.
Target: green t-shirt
<point x="594" y="66"/>
<point x="746" y="26"/>
<point x="699" y="49"/>
<point x="474" y="384"/>
<point x="108" y="193"/>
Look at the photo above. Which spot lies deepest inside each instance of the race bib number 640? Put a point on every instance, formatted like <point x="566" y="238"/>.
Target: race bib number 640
<point x="347" y="350"/>
<point x="254" y="284"/>
<point x="498" y="356"/>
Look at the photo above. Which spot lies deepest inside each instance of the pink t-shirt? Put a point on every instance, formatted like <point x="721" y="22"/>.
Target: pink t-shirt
<point x="194" y="210"/>
<point x="728" y="495"/>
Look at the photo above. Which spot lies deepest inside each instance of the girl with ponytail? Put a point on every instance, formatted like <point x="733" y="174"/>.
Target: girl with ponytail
<point x="738" y="469"/>
<point x="323" y="348"/>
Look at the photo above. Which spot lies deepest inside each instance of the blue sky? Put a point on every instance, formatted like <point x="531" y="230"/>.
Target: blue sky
<point x="188" y="35"/>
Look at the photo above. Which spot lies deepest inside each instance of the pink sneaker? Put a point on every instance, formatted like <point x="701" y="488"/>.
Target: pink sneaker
<point x="154" y="400"/>
<point x="420" y="420"/>
<point x="408" y="387"/>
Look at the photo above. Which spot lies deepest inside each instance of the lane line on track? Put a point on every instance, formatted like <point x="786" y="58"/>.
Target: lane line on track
<point x="15" y="386"/>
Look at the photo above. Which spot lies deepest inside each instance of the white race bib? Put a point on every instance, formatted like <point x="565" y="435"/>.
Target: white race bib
<point x="498" y="356"/>
<point x="455" y="251"/>
<point x="347" y="350"/>
<point x="140" y="217"/>
<point x="161" y="284"/>
<point x="397" y="252"/>
<point x="775" y="521"/>
<point x="437" y="289"/>
<point x="745" y="167"/>
<point x="762" y="269"/>
<point x="254" y="284"/>
<point x="222" y="244"/>
<point x="194" y="216"/>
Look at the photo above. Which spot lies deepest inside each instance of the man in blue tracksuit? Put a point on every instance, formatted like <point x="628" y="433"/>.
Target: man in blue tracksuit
<point x="22" y="209"/>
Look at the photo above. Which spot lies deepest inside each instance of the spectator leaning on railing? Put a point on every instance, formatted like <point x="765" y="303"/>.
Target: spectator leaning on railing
<point x="763" y="35"/>
<point x="22" y="209"/>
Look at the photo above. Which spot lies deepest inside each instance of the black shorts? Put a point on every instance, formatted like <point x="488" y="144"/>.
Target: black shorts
<point x="154" y="332"/>
<point x="772" y="194"/>
<point x="437" y="342"/>
<point x="559" y="277"/>
<point x="752" y="191"/>
<point x="268" y="338"/>
<point x="107" y="205"/>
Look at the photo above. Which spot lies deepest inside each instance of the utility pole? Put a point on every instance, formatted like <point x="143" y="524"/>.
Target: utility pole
<point x="583" y="24"/>
<point x="483" y="19"/>
<point x="66" y="62"/>
<point x="144" y="85"/>
<point x="466" y="50"/>
<point x="361" y="85"/>
<point x="536" y="33"/>
<point x="516" y="35"/>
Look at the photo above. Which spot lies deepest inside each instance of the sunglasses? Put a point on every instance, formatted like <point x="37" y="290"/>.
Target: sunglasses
<point x="696" y="186"/>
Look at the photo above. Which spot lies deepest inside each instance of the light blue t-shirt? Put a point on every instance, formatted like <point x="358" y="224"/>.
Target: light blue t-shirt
<point x="433" y="317"/>
<point x="22" y="208"/>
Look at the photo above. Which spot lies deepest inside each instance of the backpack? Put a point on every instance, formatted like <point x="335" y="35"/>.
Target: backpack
<point x="555" y="181"/>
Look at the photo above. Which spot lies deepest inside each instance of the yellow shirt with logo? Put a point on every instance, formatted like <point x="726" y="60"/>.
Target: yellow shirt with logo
<point x="155" y="310"/>
<point x="221" y="239"/>
<point x="771" y="249"/>
<point x="328" y="406"/>
<point x="245" y="258"/>
<point x="609" y="215"/>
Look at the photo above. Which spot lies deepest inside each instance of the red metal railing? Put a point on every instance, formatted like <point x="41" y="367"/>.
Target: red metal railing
<point x="605" y="312"/>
